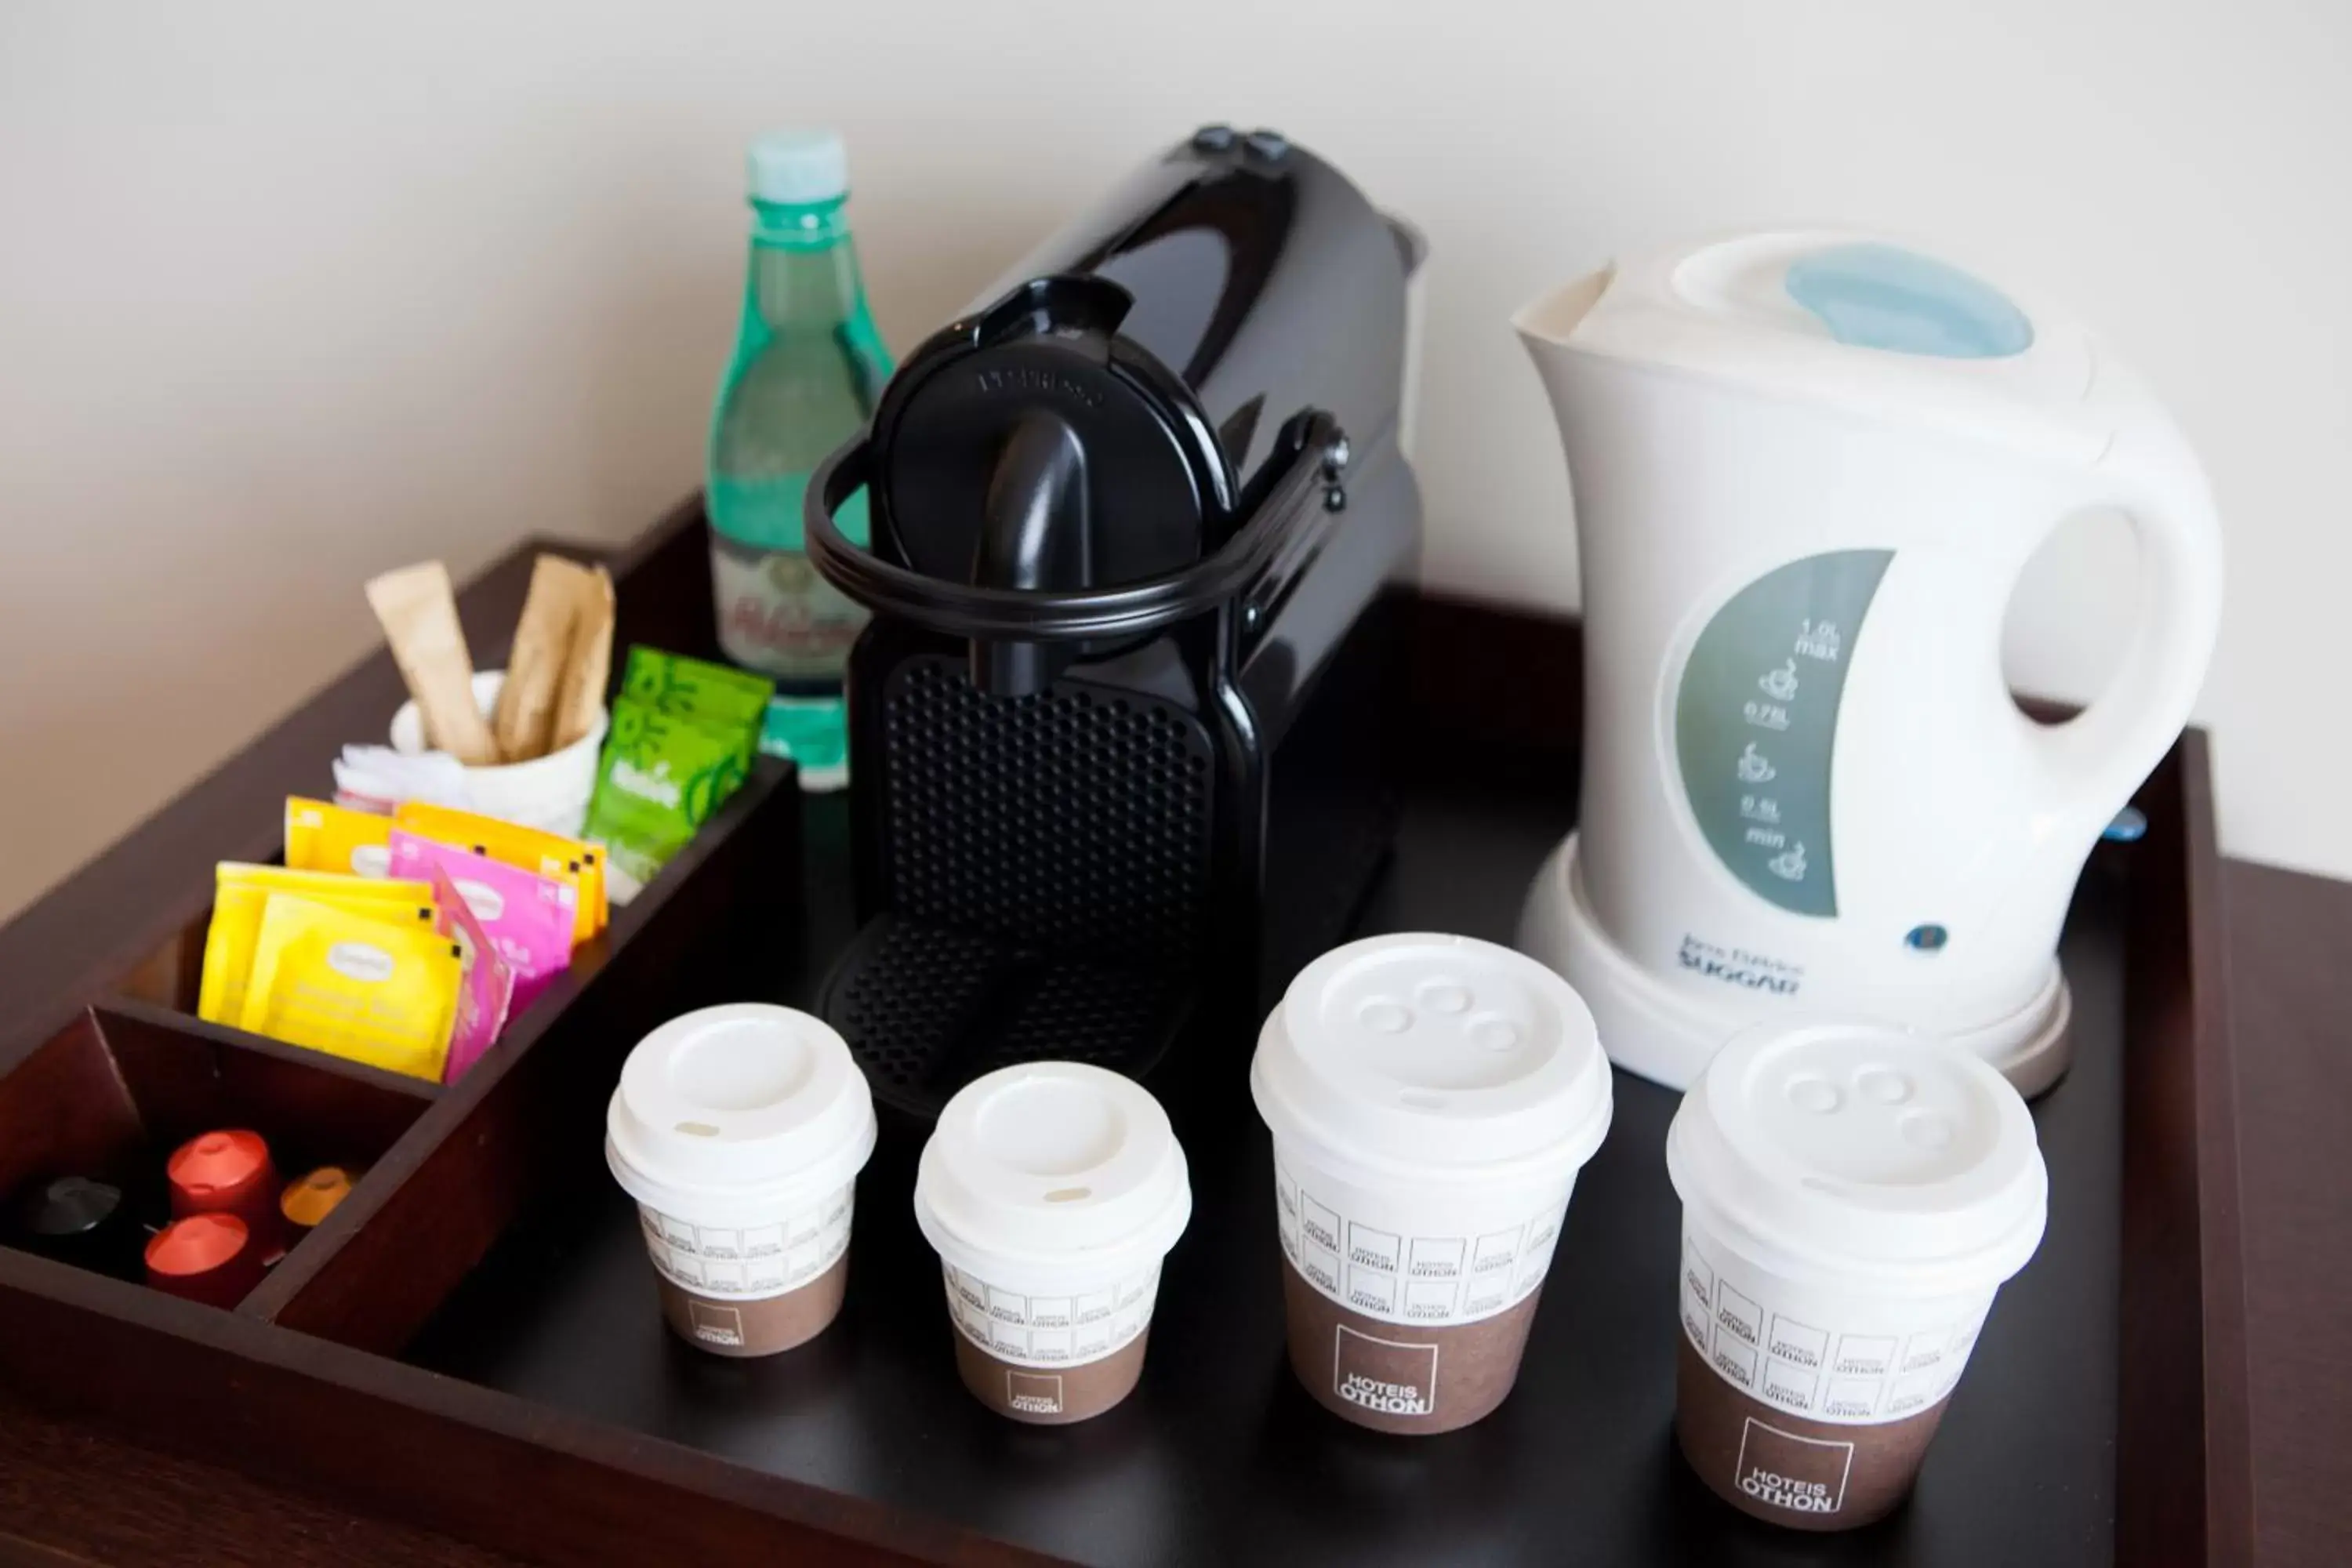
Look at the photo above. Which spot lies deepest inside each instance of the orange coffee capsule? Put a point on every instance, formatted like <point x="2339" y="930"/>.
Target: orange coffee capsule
<point x="207" y="1258"/>
<point x="308" y="1202"/>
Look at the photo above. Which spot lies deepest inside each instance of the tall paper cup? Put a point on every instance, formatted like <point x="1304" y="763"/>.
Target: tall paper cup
<point x="1432" y="1098"/>
<point x="1853" y="1198"/>
<point x="740" y="1130"/>
<point x="1050" y="1192"/>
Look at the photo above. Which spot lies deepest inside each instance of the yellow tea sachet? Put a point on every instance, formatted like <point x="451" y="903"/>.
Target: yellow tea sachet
<point x="305" y="883"/>
<point x="240" y="893"/>
<point x="321" y="837"/>
<point x="571" y="860"/>
<point x="354" y="986"/>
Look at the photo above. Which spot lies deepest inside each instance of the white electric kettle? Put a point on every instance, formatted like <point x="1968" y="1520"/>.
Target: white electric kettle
<point x="1809" y="468"/>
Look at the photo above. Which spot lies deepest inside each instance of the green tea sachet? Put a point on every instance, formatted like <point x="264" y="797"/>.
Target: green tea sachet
<point x="682" y="739"/>
<point x="661" y="778"/>
<point x="728" y="700"/>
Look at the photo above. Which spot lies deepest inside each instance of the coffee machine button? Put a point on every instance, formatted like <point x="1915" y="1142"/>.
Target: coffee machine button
<point x="1212" y="137"/>
<point x="1266" y="144"/>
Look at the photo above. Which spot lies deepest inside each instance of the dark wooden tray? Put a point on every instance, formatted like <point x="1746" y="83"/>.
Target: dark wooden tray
<point x="472" y="1343"/>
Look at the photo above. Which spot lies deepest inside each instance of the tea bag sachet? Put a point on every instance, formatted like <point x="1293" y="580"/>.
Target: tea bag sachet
<point x="661" y="778"/>
<point x="487" y="994"/>
<point x="713" y="695"/>
<point x="569" y="860"/>
<point x="682" y="739"/>
<point x="419" y="614"/>
<point x="353" y="986"/>
<point x="324" y="836"/>
<point x="241" y="893"/>
<point x="528" y="918"/>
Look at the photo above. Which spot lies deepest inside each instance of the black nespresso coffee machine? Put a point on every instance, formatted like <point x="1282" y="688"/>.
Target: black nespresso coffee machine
<point x="1118" y="727"/>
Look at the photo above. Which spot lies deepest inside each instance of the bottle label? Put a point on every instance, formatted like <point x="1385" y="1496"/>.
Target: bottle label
<point x="777" y="615"/>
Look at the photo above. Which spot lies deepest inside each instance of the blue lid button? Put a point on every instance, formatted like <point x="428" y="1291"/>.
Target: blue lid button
<point x="1878" y="296"/>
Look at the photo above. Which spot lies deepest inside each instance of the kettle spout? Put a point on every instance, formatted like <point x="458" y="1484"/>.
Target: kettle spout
<point x="1549" y="320"/>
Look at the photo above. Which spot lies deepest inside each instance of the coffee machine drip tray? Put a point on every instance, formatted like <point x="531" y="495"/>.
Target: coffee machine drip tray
<point x="927" y="1009"/>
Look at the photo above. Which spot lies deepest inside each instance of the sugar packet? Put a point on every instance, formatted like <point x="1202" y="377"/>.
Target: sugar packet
<point x="419" y="614"/>
<point x="382" y="773"/>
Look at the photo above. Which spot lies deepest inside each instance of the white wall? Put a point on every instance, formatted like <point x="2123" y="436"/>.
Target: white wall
<point x="290" y="293"/>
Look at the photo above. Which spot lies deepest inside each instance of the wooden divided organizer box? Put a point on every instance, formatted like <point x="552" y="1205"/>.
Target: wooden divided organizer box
<point x="472" y="1343"/>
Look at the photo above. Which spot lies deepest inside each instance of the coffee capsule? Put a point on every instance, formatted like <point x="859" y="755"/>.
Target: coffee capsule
<point x="207" y="1258"/>
<point x="306" y="1204"/>
<point x="80" y="1221"/>
<point x="229" y="1172"/>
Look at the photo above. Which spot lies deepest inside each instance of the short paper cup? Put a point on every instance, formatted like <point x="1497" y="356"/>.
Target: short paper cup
<point x="740" y="1130"/>
<point x="1432" y="1098"/>
<point x="1853" y="1197"/>
<point x="1050" y="1192"/>
<point x="549" y="793"/>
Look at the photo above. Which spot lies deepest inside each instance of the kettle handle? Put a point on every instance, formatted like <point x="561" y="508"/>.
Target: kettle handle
<point x="2096" y="760"/>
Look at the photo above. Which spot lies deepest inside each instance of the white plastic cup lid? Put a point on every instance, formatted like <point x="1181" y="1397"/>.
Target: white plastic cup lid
<point x="1054" y="1163"/>
<point x="1428" y="1056"/>
<point x="738" y="1101"/>
<point x="1860" y="1150"/>
<point x="798" y="166"/>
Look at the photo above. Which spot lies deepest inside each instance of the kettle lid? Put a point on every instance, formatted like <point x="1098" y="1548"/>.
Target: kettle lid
<point x="1878" y="326"/>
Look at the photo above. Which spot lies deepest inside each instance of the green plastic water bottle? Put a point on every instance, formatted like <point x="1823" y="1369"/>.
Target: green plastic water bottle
<point x="807" y="368"/>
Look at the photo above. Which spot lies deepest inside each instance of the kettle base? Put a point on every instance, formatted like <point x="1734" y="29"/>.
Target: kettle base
<point x="1667" y="1035"/>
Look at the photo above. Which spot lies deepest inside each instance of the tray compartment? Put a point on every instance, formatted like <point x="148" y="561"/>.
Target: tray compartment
<point x="112" y="1094"/>
<point x="166" y="984"/>
<point x="528" y="1121"/>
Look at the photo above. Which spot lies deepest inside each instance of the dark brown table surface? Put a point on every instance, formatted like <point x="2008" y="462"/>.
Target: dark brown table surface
<point x="73" y="1496"/>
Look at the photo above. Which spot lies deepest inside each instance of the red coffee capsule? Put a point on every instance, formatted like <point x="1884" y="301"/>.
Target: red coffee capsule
<point x="229" y="1173"/>
<point x="207" y="1258"/>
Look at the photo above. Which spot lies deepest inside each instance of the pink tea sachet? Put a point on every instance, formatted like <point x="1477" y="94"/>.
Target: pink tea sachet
<point x="529" y="918"/>
<point x="487" y="993"/>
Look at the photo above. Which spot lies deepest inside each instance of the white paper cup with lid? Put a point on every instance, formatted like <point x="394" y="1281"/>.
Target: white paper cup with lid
<point x="1853" y="1197"/>
<point x="1432" y="1098"/>
<point x="739" y="1130"/>
<point x="1052" y="1191"/>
